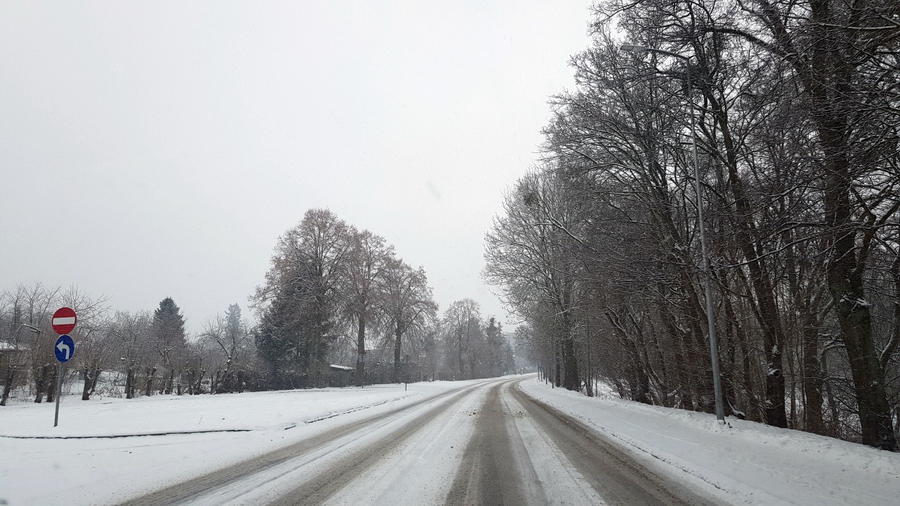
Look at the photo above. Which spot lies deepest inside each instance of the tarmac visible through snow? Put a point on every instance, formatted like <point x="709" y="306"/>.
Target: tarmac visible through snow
<point x="511" y="440"/>
<point x="481" y="444"/>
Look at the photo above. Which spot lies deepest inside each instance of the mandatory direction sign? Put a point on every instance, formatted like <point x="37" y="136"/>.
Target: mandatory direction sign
<point x="65" y="348"/>
<point x="64" y="320"/>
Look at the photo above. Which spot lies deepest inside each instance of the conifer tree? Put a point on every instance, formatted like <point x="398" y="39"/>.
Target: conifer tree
<point x="169" y="339"/>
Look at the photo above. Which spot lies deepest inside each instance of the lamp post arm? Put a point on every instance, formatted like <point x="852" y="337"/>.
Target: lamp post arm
<point x="32" y="328"/>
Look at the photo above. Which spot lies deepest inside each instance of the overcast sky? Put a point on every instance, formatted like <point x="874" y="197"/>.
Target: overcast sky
<point x="159" y="149"/>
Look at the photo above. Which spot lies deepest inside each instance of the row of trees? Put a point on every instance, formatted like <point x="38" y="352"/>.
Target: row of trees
<point x="797" y="108"/>
<point x="335" y="293"/>
<point x="141" y="352"/>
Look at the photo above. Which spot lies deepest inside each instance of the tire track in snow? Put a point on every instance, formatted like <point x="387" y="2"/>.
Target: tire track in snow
<point x="487" y="443"/>
<point x="335" y="477"/>
<point x="221" y="483"/>
<point x="493" y="470"/>
<point x="607" y="468"/>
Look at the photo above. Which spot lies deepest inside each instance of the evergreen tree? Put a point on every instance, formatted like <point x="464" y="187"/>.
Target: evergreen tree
<point x="169" y="339"/>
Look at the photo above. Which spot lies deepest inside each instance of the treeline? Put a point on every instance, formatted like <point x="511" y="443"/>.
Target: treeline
<point x="795" y="110"/>
<point x="337" y="307"/>
<point x="120" y="353"/>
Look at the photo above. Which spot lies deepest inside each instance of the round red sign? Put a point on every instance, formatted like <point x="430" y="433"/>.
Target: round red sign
<point x="64" y="320"/>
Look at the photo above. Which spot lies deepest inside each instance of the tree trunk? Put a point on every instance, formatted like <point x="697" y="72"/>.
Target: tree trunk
<point x="398" y="334"/>
<point x="40" y="383"/>
<point x="361" y="352"/>
<point x="570" y="365"/>
<point x="828" y="73"/>
<point x="700" y="390"/>
<point x="643" y="379"/>
<point x="459" y="357"/>
<point x="51" y="384"/>
<point x="737" y="339"/>
<point x="672" y="335"/>
<point x="129" y="382"/>
<point x="86" y="390"/>
<point x="835" y="430"/>
<point x="191" y="374"/>
<point x="148" y="388"/>
<point x="812" y="378"/>
<point x="7" y="387"/>
<point x="198" y="387"/>
<point x="170" y="381"/>
<point x="754" y="254"/>
<point x="571" y="378"/>
<point x="589" y="380"/>
<point x="557" y="365"/>
<point x="856" y="329"/>
<point x="844" y="277"/>
<point x="94" y="379"/>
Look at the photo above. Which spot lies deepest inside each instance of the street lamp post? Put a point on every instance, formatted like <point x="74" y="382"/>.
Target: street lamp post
<point x="713" y="348"/>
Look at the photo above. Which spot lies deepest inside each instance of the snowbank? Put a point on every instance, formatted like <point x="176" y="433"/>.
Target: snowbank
<point x="742" y="462"/>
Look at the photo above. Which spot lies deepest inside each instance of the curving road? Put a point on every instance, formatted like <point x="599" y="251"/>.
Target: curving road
<point x="486" y="444"/>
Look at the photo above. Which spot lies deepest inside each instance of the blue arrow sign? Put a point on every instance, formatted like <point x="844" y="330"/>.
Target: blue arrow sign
<point x="65" y="348"/>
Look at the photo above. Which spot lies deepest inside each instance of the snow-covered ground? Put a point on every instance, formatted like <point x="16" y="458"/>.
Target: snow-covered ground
<point x="743" y="462"/>
<point x="107" y="450"/>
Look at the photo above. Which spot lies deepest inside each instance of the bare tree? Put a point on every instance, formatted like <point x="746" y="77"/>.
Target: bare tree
<point x="230" y="336"/>
<point x="131" y="334"/>
<point x="407" y="303"/>
<point x="529" y="254"/>
<point x="93" y="349"/>
<point x="796" y="107"/>
<point x="298" y="303"/>
<point x="462" y="329"/>
<point x="841" y="59"/>
<point x="360" y="287"/>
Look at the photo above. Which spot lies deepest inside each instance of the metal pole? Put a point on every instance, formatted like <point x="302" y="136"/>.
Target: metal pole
<point x="707" y="271"/>
<point x="710" y="319"/>
<point x="58" y="391"/>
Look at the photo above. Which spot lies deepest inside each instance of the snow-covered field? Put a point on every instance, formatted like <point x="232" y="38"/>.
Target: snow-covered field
<point x="107" y="450"/>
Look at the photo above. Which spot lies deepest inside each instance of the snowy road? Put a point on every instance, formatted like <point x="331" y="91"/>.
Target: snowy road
<point x="479" y="444"/>
<point x="476" y="441"/>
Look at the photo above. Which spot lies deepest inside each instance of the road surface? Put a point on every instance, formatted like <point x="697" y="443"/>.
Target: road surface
<point x="482" y="444"/>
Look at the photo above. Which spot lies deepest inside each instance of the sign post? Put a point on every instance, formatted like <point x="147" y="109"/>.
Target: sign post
<point x="64" y="320"/>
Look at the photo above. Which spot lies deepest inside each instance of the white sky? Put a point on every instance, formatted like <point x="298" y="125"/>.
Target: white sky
<point x="158" y="149"/>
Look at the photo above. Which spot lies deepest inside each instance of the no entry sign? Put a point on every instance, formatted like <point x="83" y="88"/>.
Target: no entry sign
<point x="64" y="320"/>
